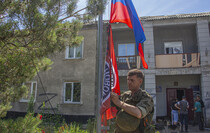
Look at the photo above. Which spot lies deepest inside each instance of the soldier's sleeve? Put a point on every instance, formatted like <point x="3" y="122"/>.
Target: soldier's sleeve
<point x="146" y="104"/>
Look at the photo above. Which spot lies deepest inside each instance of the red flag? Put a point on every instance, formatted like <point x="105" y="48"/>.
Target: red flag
<point x="111" y="79"/>
<point x="123" y="11"/>
<point x="103" y="122"/>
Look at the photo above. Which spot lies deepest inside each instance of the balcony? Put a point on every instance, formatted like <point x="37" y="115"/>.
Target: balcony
<point x="128" y="62"/>
<point x="162" y="61"/>
<point x="178" y="60"/>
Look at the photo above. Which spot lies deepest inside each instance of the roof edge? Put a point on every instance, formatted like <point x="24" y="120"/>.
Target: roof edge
<point x="177" y="16"/>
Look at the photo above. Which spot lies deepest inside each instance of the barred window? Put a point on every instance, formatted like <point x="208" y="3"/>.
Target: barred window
<point x="72" y="92"/>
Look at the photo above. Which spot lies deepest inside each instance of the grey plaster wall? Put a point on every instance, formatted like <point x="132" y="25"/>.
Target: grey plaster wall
<point x="149" y="52"/>
<point x="203" y="36"/>
<point x="184" y="33"/>
<point x="205" y="80"/>
<point x="204" y="41"/>
<point x="150" y="86"/>
<point x="69" y="70"/>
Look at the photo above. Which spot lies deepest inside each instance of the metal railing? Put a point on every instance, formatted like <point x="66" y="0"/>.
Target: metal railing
<point x="128" y="62"/>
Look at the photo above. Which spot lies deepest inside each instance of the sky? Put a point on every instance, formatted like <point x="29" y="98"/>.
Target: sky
<point x="161" y="7"/>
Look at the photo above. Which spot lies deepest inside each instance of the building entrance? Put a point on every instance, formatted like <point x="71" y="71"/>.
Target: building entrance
<point x="177" y="93"/>
<point x="180" y="93"/>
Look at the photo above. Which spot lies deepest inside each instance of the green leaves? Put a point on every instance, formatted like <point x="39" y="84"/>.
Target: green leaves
<point x="28" y="124"/>
<point x="67" y="33"/>
<point x="72" y="7"/>
<point x="96" y="7"/>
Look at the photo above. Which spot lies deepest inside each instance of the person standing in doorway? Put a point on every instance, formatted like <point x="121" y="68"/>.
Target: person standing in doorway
<point x="198" y="113"/>
<point x="183" y="106"/>
<point x="174" y="112"/>
<point x="202" y="107"/>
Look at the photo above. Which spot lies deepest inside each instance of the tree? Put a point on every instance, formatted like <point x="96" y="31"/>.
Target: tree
<point x="31" y="30"/>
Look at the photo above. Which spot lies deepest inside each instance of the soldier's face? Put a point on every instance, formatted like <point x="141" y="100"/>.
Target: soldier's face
<point x="133" y="82"/>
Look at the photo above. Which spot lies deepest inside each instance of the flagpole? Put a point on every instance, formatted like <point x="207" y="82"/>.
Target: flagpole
<point x="99" y="50"/>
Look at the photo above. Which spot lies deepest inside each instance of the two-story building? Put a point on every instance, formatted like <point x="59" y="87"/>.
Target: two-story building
<point x="177" y="51"/>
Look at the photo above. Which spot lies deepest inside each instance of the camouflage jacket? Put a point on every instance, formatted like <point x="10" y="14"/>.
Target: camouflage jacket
<point x="144" y="102"/>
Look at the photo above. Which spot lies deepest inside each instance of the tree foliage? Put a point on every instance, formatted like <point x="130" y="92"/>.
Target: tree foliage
<point x="27" y="124"/>
<point x="31" y="30"/>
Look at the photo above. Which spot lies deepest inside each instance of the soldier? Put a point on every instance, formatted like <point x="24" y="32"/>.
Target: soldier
<point x="136" y="106"/>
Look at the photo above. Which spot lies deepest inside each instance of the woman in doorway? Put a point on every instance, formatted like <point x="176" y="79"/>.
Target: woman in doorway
<point x="174" y="112"/>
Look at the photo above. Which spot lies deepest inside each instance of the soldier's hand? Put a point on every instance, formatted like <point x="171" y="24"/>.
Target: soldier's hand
<point x="115" y="99"/>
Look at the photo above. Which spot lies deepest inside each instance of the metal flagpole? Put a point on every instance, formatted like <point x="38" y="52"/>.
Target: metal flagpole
<point x="99" y="50"/>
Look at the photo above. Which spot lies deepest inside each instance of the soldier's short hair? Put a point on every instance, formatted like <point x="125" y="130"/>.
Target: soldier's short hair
<point x="136" y="72"/>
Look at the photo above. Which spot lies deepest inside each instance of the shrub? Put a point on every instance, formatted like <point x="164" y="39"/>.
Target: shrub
<point x="72" y="128"/>
<point x="27" y="124"/>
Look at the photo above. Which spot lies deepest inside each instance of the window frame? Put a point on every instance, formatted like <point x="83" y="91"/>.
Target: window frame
<point x="72" y="93"/>
<point x="68" y="48"/>
<point x="31" y="92"/>
<point x="176" y="43"/>
<point x="126" y="48"/>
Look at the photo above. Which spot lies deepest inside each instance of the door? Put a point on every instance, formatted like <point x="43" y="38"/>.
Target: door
<point x="171" y="94"/>
<point x="190" y="99"/>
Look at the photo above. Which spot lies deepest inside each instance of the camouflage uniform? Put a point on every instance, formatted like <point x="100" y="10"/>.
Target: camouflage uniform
<point x="144" y="102"/>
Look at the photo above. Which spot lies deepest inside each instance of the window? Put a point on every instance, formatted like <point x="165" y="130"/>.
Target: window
<point x="126" y="54"/>
<point x="72" y="92"/>
<point x="173" y="47"/>
<point x="32" y="88"/>
<point x="74" y="52"/>
<point x="126" y="49"/>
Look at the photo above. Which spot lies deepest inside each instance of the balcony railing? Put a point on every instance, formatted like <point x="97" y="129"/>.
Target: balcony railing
<point x="128" y="62"/>
<point x="162" y="61"/>
<point x="177" y="60"/>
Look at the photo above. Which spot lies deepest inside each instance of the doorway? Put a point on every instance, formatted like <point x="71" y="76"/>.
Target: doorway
<point x="180" y="93"/>
<point x="177" y="93"/>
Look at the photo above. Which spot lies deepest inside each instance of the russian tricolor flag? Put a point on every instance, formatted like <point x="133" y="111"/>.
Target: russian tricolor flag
<point x="124" y="11"/>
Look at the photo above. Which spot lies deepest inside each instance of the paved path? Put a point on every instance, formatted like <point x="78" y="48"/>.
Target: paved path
<point x="192" y="129"/>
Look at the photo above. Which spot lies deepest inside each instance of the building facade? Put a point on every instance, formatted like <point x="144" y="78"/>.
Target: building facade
<point x="177" y="51"/>
<point x="69" y="87"/>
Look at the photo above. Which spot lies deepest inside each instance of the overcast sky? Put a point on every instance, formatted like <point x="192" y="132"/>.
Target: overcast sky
<point x="162" y="7"/>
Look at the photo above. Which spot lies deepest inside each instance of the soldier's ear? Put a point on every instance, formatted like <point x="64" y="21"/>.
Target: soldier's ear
<point x="140" y="80"/>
